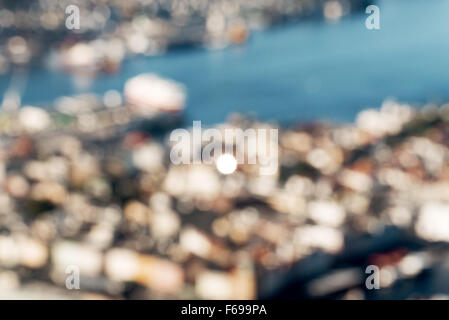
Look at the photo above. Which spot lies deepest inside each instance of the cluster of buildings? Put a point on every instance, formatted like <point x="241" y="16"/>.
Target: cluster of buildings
<point x="37" y="31"/>
<point x="93" y="188"/>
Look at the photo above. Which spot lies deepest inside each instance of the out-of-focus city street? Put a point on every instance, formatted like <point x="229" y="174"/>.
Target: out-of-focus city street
<point x="88" y="181"/>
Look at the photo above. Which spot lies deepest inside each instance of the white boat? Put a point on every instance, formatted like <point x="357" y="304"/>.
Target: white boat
<point x="149" y="94"/>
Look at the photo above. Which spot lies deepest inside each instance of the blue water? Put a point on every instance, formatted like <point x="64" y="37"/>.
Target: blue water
<point x="298" y="72"/>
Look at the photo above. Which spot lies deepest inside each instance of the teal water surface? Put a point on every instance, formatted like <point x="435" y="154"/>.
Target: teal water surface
<point x="297" y="72"/>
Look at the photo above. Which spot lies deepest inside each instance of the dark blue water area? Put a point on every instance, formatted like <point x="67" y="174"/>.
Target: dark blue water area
<point x="305" y="71"/>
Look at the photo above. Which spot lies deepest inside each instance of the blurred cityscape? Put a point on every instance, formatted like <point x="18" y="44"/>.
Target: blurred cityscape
<point x="144" y="26"/>
<point x="87" y="183"/>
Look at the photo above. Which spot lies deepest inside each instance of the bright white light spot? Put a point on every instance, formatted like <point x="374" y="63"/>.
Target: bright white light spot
<point x="226" y="164"/>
